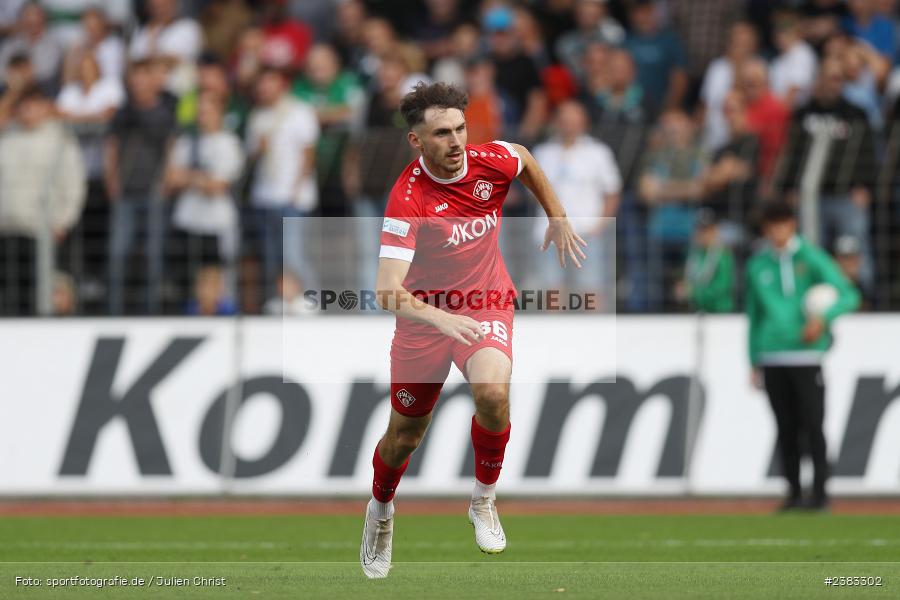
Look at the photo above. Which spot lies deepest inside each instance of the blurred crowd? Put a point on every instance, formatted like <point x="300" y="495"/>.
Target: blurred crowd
<point x="151" y="149"/>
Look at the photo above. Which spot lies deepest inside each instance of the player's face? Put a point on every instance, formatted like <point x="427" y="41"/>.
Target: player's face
<point x="780" y="232"/>
<point x="441" y="139"/>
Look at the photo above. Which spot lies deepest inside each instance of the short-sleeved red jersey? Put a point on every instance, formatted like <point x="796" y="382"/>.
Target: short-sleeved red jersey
<point x="449" y="228"/>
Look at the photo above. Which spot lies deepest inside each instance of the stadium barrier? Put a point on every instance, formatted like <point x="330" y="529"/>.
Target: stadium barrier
<point x="139" y="406"/>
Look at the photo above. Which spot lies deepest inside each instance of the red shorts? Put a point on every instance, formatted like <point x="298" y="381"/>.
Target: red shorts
<point x="420" y="361"/>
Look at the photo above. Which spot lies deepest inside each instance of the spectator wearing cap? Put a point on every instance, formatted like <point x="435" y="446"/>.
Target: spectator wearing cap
<point x="518" y="78"/>
<point x="709" y="271"/>
<point x="173" y="40"/>
<point x="282" y="134"/>
<point x="720" y="78"/>
<point x="593" y="25"/>
<point x="32" y="39"/>
<point x="135" y="155"/>
<point x="42" y="186"/>
<point x="793" y="71"/>
<point x="658" y="56"/>
<point x="831" y="155"/>
<point x="585" y="176"/>
<point x="848" y="256"/>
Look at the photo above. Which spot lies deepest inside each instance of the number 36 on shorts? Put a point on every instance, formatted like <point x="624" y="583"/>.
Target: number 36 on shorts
<point x="497" y="329"/>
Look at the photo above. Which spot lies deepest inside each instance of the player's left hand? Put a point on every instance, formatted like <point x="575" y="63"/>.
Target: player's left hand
<point x="813" y="329"/>
<point x="560" y="232"/>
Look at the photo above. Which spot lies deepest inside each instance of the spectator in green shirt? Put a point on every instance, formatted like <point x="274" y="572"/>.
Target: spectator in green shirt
<point x="338" y="100"/>
<point x="709" y="274"/>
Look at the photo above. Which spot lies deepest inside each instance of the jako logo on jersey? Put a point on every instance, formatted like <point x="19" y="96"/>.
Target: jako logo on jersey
<point x="405" y="398"/>
<point x="472" y="229"/>
<point x="483" y="190"/>
<point x="441" y="207"/>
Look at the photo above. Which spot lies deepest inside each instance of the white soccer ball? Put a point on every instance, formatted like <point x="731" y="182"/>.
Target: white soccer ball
<point x="819" y="298"/>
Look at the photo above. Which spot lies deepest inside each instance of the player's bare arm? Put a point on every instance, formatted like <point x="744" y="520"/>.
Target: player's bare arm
<point x="392" y="296"/>
<point x="559" y="231"/>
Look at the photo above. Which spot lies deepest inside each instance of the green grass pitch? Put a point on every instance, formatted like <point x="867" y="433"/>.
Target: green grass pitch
<point x="566" y="556"/>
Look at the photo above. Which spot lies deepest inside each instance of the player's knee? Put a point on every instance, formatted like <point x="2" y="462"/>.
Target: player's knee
<point x="492" y="402"/>
<point x="407" y="440"/>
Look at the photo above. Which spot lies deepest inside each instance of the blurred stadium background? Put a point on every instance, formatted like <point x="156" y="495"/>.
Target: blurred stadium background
<point x="154" y="342"/>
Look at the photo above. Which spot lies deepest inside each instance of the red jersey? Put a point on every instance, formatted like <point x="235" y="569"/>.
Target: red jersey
<point x="449" y="230"/>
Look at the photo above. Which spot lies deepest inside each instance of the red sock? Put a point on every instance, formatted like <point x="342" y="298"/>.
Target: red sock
<point x="489" y="449"/>
<point x="386" y="478"/>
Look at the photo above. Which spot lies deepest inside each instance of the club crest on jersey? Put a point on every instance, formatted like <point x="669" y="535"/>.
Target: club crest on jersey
<point x="483" y="189"/>
<point x="405" y="398"/>
<point x="471" y="230"/>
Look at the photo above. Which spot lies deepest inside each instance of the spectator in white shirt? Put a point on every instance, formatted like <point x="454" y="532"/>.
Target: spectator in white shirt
<point x="176" y="41"/>
<point x="90" y="100"/>
<point x="793" y="72"/>
<point x="282" y="133"/>
<point x="88" y="104"/>
<point x="585" y="176"/>
<point x="94" y="37"/>
<point x="202" y="169"/>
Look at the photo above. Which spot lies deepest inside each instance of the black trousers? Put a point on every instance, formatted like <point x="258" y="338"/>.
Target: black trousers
<point x="797" y="395"/>
<point x="18" y="276"/>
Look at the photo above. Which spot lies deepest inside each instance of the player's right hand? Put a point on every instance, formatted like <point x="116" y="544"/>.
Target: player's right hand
<point x="461" y="328"/>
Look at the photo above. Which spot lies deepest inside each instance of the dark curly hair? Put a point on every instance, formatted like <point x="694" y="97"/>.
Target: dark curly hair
<point x="425" y="96"/>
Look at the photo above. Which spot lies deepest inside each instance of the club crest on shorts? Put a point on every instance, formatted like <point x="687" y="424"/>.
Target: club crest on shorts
<point x="483" y="189"/>
<point x="405" y="398"/>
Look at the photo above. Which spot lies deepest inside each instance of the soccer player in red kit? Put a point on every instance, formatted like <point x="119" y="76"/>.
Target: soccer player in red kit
<point x="440" y="271"/>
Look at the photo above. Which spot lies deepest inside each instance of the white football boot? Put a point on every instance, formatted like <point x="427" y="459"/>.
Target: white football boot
<point x="488" y="531"/>
<point x="377" y="542"/>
